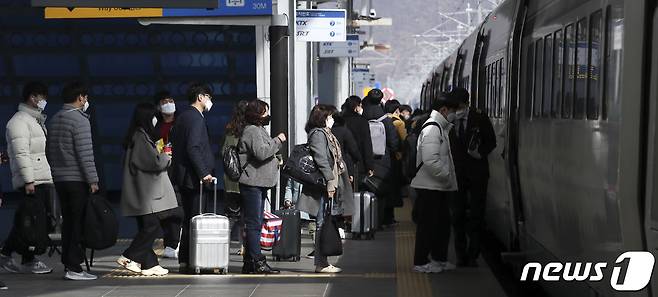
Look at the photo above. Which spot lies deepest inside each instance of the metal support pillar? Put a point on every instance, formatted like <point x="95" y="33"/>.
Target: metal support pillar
<point x="279" y="89"/>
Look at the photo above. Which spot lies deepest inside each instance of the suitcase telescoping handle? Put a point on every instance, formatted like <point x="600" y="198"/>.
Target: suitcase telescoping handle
<point x="214" y="181"/>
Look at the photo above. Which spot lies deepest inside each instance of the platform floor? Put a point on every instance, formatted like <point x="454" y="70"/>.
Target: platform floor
<point x="381" y="267"/>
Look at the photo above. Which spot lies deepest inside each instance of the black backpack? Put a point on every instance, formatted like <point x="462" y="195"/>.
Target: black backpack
<point x="231" y="160"/>
<point x="31" y="223"/>
<point x="410" y="147"/>
<point x="101" y="226"/>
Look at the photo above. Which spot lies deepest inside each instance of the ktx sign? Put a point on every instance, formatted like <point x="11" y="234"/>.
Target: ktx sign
<point x="320" y="25"/>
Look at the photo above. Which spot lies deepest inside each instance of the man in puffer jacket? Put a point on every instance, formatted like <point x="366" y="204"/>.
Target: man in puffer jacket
<point x="30" y="172"/>
<point x="435" y="182"/>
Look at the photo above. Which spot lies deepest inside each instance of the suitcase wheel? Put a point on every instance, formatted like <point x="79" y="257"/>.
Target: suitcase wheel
<point x="224" y="271"/>
<point x="296" y="259"/>
<point x="197" y="270"/>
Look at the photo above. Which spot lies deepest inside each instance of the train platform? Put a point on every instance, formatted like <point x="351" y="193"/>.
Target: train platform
<point x="379" y="267"/>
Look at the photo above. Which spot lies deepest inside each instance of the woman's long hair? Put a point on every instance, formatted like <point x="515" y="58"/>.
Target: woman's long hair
<point x="318" y="116"/>
<point x="237" y="123"/>
<point x="142" y="118"/>
<point x="254" y="112"/>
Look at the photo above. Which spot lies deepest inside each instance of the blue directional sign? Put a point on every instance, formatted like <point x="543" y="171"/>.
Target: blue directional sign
<point x="226" y="8"/>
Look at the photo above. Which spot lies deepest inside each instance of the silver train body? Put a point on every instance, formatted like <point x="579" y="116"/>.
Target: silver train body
<point x="571" y="87"/>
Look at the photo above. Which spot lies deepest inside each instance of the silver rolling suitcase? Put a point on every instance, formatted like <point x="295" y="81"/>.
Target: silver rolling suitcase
<point x="209" y="239"/>
<point x="364" y="220"/>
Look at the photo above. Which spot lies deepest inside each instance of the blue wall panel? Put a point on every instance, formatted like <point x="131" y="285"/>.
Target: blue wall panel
<point x="123" y="63"/>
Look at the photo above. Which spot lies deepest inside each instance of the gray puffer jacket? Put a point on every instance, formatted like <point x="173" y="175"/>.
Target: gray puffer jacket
<point x="26" y="147"/>
<point x="70" y="149"/>
<point x="257" y="154"/>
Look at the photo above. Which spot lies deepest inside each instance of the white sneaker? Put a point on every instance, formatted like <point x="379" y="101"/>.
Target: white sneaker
<point x="37" y="267"/>
<point x="129" y="264"/>
<point x="444" y="265"/>
<point x="170" y="253"/>
<point x="341" y="231"/>
<point x="422" y="268"/>
<point x="79" y="276"/>
<point x="328" y="269"/>
<point x="155" y="270"/>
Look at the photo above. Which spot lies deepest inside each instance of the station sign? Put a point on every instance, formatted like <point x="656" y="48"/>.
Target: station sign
<point x="363" y="79"/>
<point x="350" y="48"/>
<point x="225" y="8"/>
<point x="318" y="25"/>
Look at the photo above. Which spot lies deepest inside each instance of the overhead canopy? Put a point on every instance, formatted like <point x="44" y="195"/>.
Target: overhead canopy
<point x="128" y="3"/>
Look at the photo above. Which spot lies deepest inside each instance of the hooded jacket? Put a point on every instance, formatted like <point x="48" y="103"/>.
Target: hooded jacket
<point x="437" y="171"/>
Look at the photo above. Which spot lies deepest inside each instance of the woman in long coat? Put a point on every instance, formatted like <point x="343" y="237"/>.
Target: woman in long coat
<point x="327" y="154"/>
<point x="147" y="190"/>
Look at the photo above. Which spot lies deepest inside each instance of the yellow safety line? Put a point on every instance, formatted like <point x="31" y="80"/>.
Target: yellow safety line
<point x="409" y="283"/>
<point x="119" y="273"/>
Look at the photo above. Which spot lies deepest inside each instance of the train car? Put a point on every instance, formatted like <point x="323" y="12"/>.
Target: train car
<point x="573" y="100"/>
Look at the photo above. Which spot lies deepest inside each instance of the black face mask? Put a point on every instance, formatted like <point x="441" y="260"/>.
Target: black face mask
<point x="266" y="120"/>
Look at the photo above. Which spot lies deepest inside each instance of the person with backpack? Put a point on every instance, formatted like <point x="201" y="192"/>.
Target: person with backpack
<point x="472" y="140"/>
<point x="71" y="155"/>
<point x="328" y="157"/>
<point x="233" y="130"/>
<point x="260" y="165"/>
<point x="435" y="181"/>
<point x="146" y="190"/>
<point x="386" y="141"/>
<point x="26" y="147"/>
<point x="172" y="220"/>
<point x="352" y="114"/>
<point x="192" y="160"/>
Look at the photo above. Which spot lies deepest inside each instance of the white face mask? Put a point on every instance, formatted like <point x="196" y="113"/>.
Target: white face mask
<point x="461" y="113"/>
<point x="86" y="106"/>
<point x="42" y="104"/>
<point x="359" y="110"/>
<point x="207" y="105"/>
<point x="451" y="117"/>
<point x="168" y="108"/>
<point x="154" y="121"/>
<point x="330" y="122"/>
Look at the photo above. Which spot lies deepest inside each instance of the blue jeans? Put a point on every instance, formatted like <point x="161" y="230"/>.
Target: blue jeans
<point x="319" y="259"/>
<point x="253" y="199"/>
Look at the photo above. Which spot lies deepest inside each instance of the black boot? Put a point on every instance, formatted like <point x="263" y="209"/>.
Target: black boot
<point x="262" y="267"/>
<point x="248" y="267"/>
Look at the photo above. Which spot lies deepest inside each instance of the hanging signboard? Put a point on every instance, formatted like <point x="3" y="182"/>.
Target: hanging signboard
<point x="349" y="48"/>
<point x="318" y="25"/>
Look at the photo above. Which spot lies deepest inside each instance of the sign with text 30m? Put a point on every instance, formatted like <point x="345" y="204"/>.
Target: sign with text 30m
<point x="349" y="48"/>
<point x="320" y="25"/>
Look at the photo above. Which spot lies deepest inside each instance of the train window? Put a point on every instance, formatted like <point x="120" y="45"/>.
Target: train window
<point x="582" y="53"/>
<point x="570" y="44"/>
<point x="594" y="93"/>
<point x="487" y="106"/>
<point x="548" y="78"/>
<point x="539" y="62"/>
<point x="558" y="73"/>
<point x="494" y="86"/>
<point x="613" y="61"/>
<point x="529" y="85"/>
<point x="500" y="88"/>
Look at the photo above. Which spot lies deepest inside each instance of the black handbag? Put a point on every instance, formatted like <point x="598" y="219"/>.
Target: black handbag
<point x="375" y="184"/>
<point x="330" y="242"/>
<point x="301" y="167"/>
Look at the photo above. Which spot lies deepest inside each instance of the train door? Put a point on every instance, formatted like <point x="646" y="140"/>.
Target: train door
<point x="510" y="153"/>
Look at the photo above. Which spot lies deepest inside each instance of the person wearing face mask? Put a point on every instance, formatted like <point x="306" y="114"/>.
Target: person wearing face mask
<point x="146" y="191"/>
<point x="327" y="154"/>
<point x="71" y="155"/>
<point x="472" y="140"/>
<point x="192" y="160"/>
<point x="170" y="221"/>
<point x="257" y="151"/>
<point x="434" y="182"/>
<point x="405" y="114"/>
<point x="352" y="112"/>
<point x="30" y="172"/>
